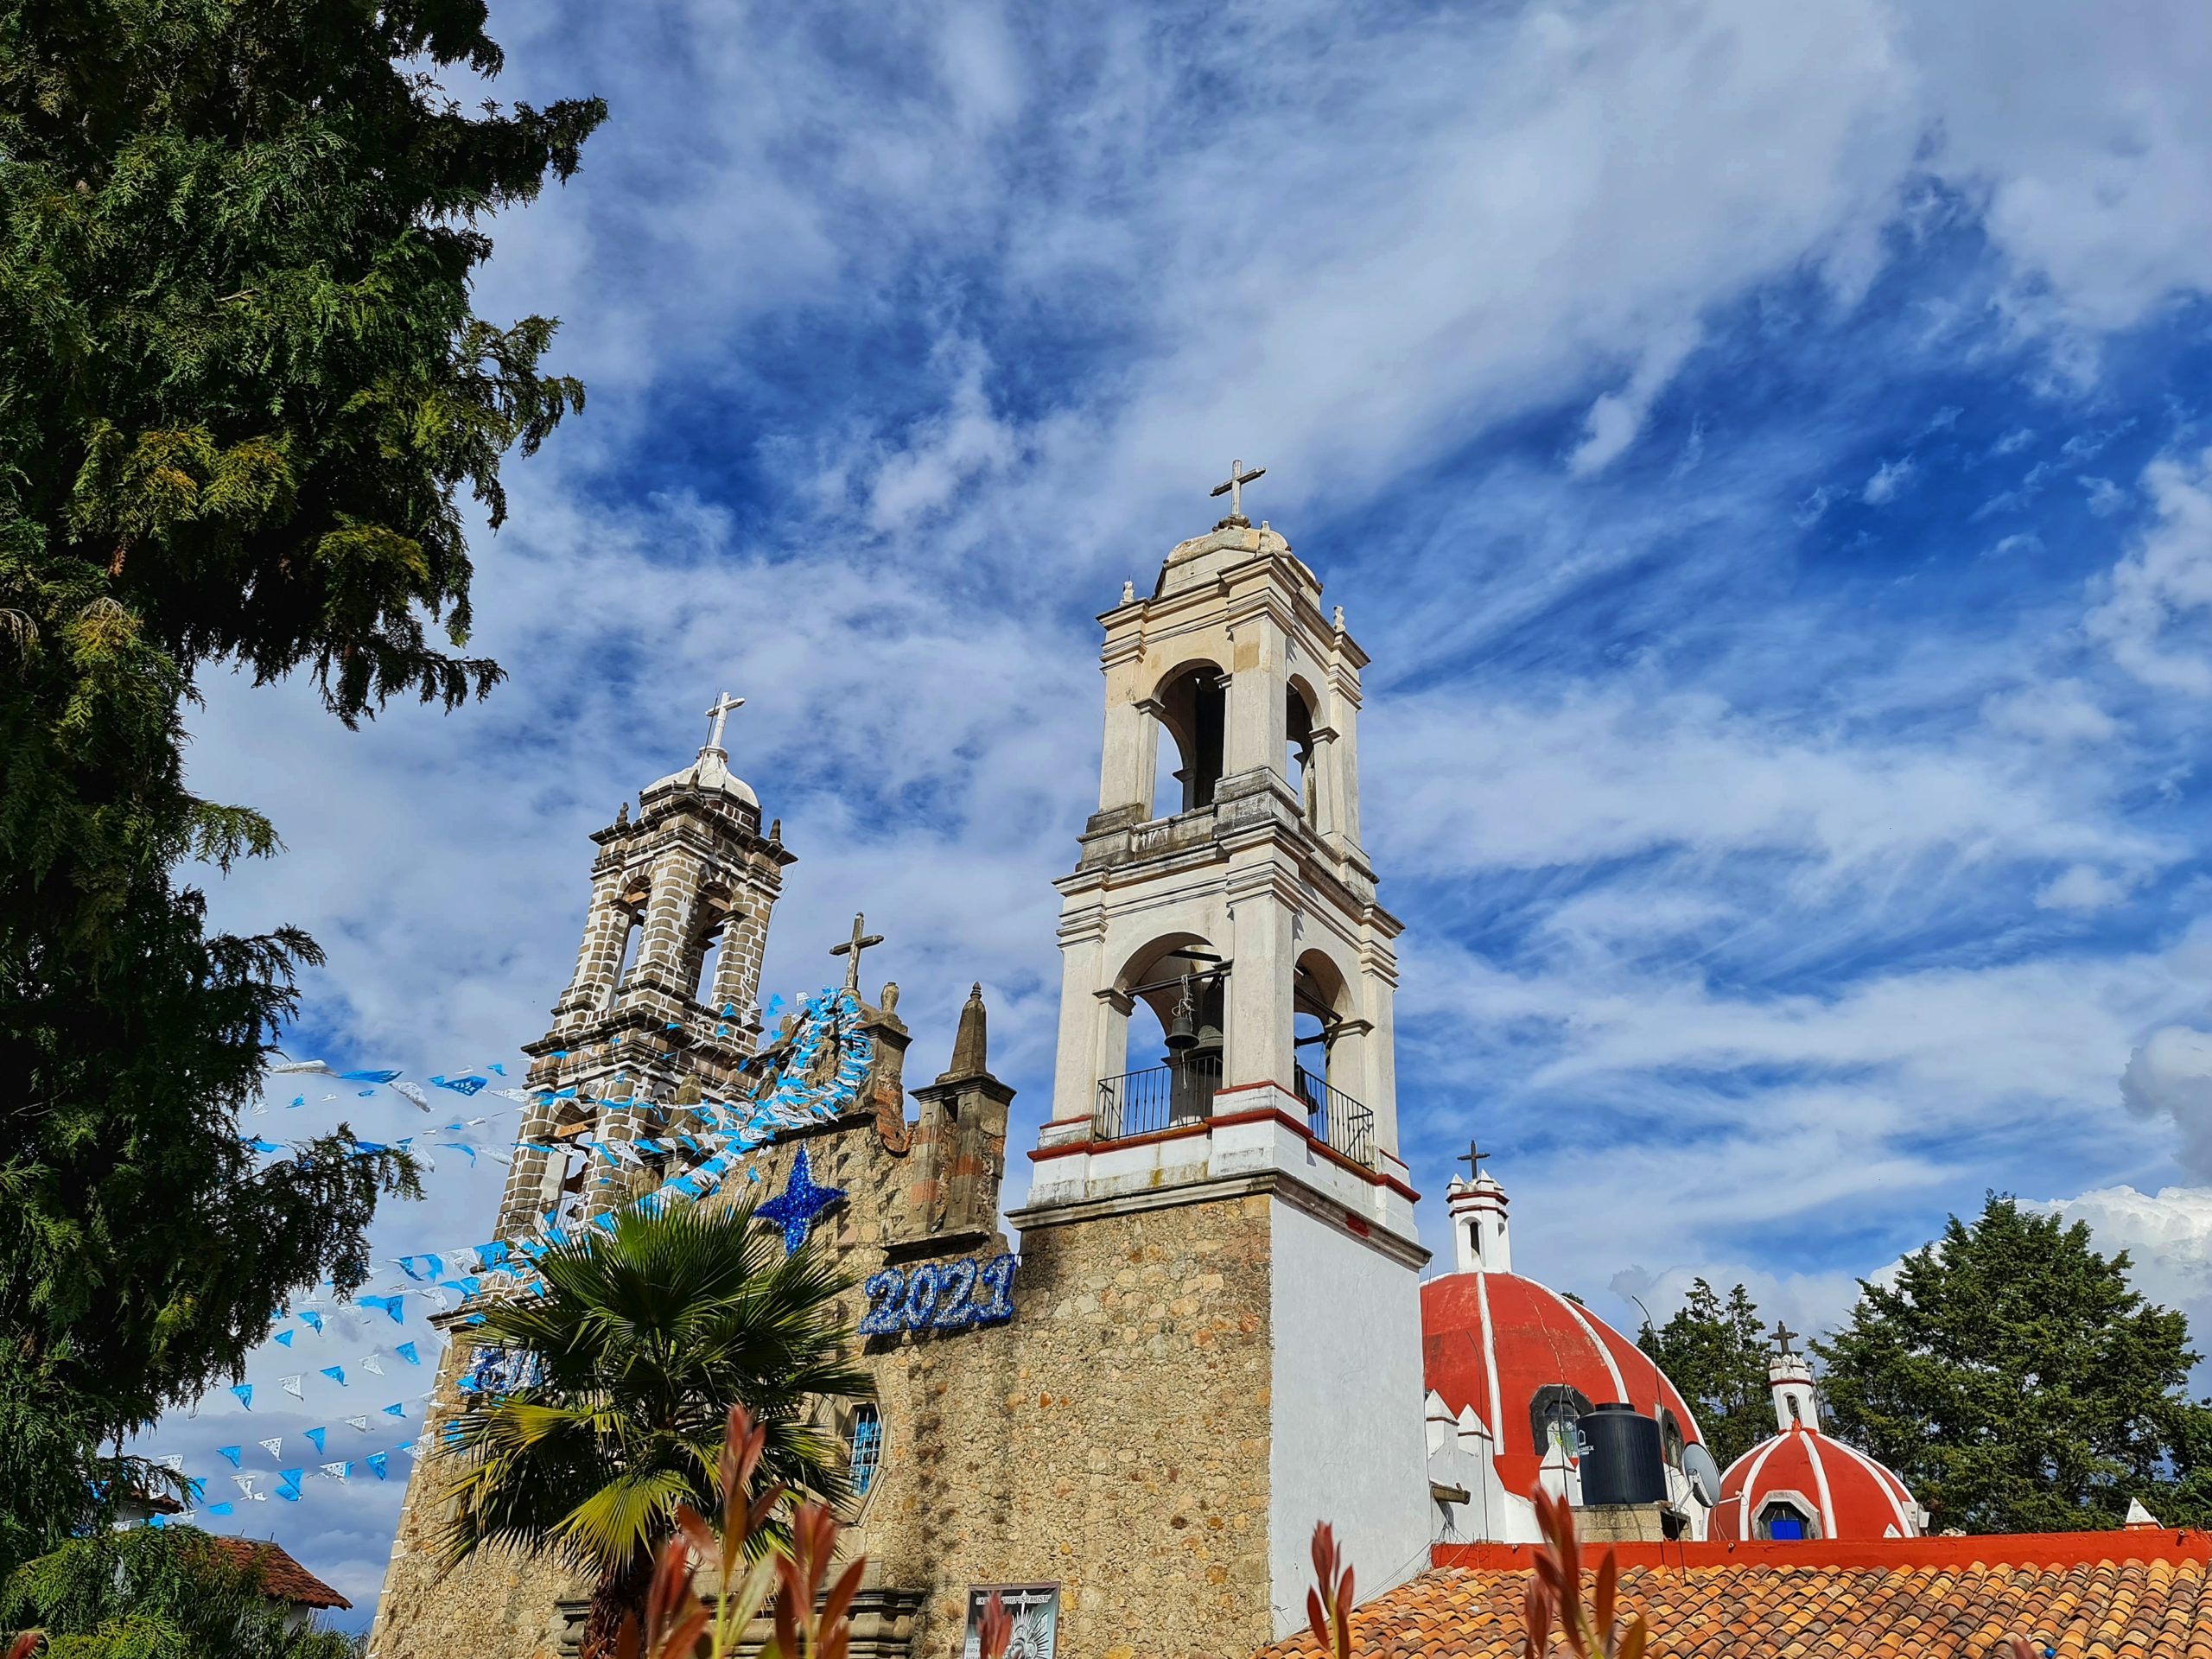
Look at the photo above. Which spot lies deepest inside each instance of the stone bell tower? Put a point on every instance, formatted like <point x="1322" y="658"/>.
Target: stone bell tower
<point x="666" y="979"/>
<point x="1224" y="1125"/>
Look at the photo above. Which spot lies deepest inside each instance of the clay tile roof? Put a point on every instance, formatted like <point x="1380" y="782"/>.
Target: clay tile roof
<point x="282" y="1578"/>
<point x="2093" y="1606"/>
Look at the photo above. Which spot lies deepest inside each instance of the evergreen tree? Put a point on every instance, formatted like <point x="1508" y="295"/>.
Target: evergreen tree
<point x="1714" y="1353"/>
<point x="2018" y="1383"/>
<point x="241" y="387"/>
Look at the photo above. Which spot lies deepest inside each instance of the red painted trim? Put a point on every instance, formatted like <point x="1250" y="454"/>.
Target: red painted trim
<point x="1255" y="1114"/>
<point x="1989" y="1550"/>
<point x="1061" y="1122"/>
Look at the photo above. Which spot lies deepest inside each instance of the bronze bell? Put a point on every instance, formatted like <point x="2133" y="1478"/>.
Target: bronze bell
<point x="1182" y="1035"/>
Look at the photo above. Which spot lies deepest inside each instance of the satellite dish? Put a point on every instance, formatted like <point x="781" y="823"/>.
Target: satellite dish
<point x="1704" y="1473"/>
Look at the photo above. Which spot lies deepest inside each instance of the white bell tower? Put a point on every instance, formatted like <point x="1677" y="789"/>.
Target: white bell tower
<point x="1225" y="1070"/>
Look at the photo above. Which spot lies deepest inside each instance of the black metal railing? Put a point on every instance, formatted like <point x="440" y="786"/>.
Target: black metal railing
<point x="1158" y="1097"/>
<point x="1336" y="1120"/>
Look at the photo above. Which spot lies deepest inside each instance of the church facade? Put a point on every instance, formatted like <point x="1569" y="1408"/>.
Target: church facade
<point x="1203" y="1334"/>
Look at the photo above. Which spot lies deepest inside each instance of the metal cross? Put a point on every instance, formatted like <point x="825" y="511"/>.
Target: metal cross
<point x="1781" y="1335"/>
<point x="1472" y="1158"/>
<point x="1234" y="489"/>
<point x="718" y="714"/>
<point x="852" y="948"/>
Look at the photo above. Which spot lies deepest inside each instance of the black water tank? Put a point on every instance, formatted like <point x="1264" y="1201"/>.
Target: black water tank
<point x="1623" y="1464"/>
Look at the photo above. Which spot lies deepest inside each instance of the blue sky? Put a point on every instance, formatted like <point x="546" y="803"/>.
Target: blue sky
<point x="1765" y="450"/>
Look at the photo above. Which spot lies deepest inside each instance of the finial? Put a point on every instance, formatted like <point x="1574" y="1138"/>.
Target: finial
<point x="888" y="1001"/>
<point x="622" y="816"/>
<point x="1340" y="619"/>
<point x="971" y="1042"/>
<point x="1234" y="489"/>
<point x="775" y="828"/>
<point x="1128" y="593"/>
<point x="851" y="949"/>
<point x="717" y="715"/>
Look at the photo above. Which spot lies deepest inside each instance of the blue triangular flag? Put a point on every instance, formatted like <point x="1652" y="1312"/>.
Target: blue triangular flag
<point x="218" y="1509"/>
<point x="376" y="1461"/>
<point x="368" y="1077"/>
<point x="468" y="1085"/>
<point x="406" y="1352"/>
<point x="316" y="1435"/>
<point x="312" y="1320"/>
<point x="397" y="1408"/>
<point x="290" y="1477"/>
<point x="245" y="1392"/>
<point x="232" y="1453"/>
<point x="336" y="1374"/>
<point x="285" y="1337"/>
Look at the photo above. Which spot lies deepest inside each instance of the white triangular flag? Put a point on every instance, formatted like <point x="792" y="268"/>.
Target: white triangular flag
<point x="361" y="1423"/>
<point x="174" y="1463"/>
<point x="291" y="1386"/>
<point x="336" y="1471"/>
<point x="274" y="1445"/>
<point x="244" y="1483"/>
<point x="370" y="1362"/>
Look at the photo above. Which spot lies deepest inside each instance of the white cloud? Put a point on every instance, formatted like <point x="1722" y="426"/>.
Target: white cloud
<point x="2080" y="887"/>
<point x="2151" y="609"/>
<point x="1888" y="478"/>
<point x="2170" y="1077"/>
<point x="2061" y="711"/>
<point x="2106" y="498"/>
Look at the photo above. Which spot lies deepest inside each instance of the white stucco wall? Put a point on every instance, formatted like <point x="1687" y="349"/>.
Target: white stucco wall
<point x="1350" y="1443"/>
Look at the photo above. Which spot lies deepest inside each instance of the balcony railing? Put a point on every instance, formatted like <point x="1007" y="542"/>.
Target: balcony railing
<point x="1158" y="1097"/>
<point x="1336" y="1120"/>
<point x="1167" y="1097"/>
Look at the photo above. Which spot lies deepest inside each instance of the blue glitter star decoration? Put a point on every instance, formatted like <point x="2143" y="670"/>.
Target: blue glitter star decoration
<point x="801" y="1202"/>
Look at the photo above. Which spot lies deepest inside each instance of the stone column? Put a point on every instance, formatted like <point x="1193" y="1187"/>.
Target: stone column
<point x="668" y="917"/>
<point x="1260" y="1008"/>
<point x="1131" y="751"/>
<point x="1343" y="753"/>
<point x="1257" y="731"/>
<point x="1377" y="1089"/>
<point x="1075" y="1079"/>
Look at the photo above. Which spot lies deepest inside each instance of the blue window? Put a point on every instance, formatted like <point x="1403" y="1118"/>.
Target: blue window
<point x="1782" y="1521"/>
<point x="865" y="1439"/>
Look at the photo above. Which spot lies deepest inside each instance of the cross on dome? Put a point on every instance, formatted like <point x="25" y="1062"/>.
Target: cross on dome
<point x="1472" y="1158"/>
<point x="1782" y="1334"/>
<point x="851" y="949"/>
<point x="1234" y="489"/>
<point x="723" y="706"/>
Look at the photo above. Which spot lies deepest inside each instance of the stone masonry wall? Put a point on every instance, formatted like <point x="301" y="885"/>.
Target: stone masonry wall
<point x="1111" y="1440"/>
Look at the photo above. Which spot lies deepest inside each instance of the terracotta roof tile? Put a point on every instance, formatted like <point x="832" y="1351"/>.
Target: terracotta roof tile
<point x="1758" y="1610"/>
<point x="282" y="1578"/>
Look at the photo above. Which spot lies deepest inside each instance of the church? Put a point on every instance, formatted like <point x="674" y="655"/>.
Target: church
<point x="1123" y="1385"/>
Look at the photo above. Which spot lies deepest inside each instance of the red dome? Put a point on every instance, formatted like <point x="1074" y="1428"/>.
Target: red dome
<point x="1801" y="1483"/>
<point x="1513" y="1350"/>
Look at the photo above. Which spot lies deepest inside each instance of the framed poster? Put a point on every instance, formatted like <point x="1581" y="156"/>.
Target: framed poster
<point x="1036" y="1610"/>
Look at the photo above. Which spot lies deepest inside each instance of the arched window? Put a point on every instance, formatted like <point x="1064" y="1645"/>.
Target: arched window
<point x="1556" y="1412"/>
<point x="1796" y="1412"/>
<point x="633" y="933"/>
<point x="1193" y="708"/>
<point x="1298" y="758"/>
<point x="1784" y="1521"/>
<point x="707" y="954"/>
<point x="863" y="1448"/>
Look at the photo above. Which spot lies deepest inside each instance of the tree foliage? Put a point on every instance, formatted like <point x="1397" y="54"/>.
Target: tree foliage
<point x="2018" y="1383"/>
<point x="642" y="1341"/>
<point x="155" y="1594"/>
<point x="1715" y="1354"/>
<point x="241" y="390"/>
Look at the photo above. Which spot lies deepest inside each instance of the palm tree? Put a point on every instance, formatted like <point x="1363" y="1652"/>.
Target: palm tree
<point x="643" y="1340"/>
